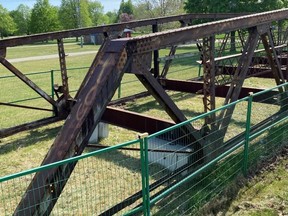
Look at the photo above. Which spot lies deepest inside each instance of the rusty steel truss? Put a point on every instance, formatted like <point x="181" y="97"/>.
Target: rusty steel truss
<point x="223" y="77"/>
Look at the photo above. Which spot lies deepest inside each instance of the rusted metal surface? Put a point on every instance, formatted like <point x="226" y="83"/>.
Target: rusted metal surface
<point x="151" y="42"/>
<point x="208" y="50"/>
<point x="254" y="71"/>
<point x="109" y="28"/>
<point x="168" y="62"/>
<point x="93" y="98"/>
<point x="163" y="39"/>
<point x="3" y="52"/>
<point x="161" y="96"/>
<point x="63" y="68"/>
<point x="93" y="66"/>
<point x="270" y="51"/>
<point x="220" y="91"/>
<point x="134" y="121"/>
<point x="156" y="69"/>
<point x="239" y="77"/>
<point x="191" y="134"/>
<point x="134" y="55"/>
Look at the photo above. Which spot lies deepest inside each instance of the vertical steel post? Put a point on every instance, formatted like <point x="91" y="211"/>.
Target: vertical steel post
<point x="52" y="90"/>
<point x="63" y="67"/>
<point x="247" y="136"/>
<point x="156" y="54"/>
<point x="145" y="173"/>
<point x="208" y="52"/>
<point x="238" y="79"/>
<point x="52" y="84"/>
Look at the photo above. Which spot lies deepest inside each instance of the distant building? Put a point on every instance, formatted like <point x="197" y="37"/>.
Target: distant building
<point x="98" y="38"/>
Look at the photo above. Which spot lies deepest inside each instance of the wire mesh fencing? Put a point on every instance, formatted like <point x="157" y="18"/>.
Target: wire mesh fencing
<point x="186" y="172"/>
<point x="268" y="124"/>
<point x="188" y="166"/>
<point x="23" y="105"/>
<point x="19" y="100"/>
<point x="173" y="172"/>
<point x="99" y="184"/>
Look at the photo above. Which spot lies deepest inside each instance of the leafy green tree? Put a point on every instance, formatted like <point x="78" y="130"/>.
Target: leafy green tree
<point x="97" y="15"/>
<point x="44" y="17"/>
<point x="74" y="14"/>
<point x="158" y="8"/>
<point x="68" y="14"/>
<point x="126" y="7"/>
<point x="21" y="17"/>
<point x="7" y="25"/>
<point x="125" y="10"/>
<point x="232" y="6"/>
<point x="85" y="19"/>
<point x="112" y="17"/>
<point x="267" y="5"/>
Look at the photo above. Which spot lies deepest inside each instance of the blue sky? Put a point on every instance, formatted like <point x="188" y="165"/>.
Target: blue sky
<point x="109" y="5"/>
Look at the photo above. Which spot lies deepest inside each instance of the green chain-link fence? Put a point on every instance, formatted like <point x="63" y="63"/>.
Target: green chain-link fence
<point x="22" y="95"/>
<point x="173" y="172"/>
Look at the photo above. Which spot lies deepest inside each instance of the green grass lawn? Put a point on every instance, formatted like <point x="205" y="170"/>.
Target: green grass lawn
<point x="47" y="49"/>
<point x="27" y="149"/>
<point x="266" y="193"/>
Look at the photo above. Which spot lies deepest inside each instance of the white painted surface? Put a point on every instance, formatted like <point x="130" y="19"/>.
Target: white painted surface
<point x="101" y="131"/>
<point x="170" y="160"/>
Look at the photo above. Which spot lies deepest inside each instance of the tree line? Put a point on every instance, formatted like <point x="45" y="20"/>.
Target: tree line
<point x="71" y="14"/>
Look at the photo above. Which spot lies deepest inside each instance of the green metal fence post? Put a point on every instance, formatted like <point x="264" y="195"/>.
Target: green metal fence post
<point x="52" y="83"/>
<point x="145" y="173"/>
<point x="52" y="89"/>
<point x="247" y="136"/>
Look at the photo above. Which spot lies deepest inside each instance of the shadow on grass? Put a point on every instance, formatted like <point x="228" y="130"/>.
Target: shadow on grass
<point x="141" y="107"/>
<point x="33" y="137"/>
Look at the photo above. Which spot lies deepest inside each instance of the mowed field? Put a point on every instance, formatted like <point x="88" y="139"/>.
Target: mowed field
<point x="27" y="149"/>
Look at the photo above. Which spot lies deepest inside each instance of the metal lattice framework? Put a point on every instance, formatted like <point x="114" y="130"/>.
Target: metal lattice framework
<point x="139" y="56"/>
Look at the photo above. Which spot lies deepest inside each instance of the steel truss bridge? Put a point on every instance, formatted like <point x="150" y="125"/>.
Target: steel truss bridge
<point x="259" y="42"/>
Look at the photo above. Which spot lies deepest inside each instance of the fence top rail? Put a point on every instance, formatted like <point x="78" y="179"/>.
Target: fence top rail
<point x="16" y="41"/>
<point x="44" y="72"/>
<point x="69" y="160"/>
<point x="271" y="89"/>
